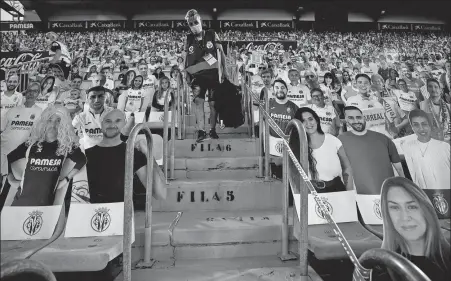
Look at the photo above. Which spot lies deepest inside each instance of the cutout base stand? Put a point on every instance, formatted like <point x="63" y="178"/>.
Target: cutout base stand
<point x="288" y="257"/>
<point x="141" y="264"/>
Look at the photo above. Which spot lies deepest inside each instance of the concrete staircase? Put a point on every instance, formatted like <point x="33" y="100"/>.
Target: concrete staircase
<point x="220" y="221"/>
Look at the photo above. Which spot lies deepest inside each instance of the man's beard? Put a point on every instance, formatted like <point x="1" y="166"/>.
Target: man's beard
<point x="281" y="96"/>
<point x="359" y="127"/>
<point x="11" y="88"/>
<point x="111" y="133"/>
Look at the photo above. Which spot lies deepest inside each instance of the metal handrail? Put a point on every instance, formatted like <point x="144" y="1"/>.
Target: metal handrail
<point x="128" y="199"/>
<point x="293" y="127"/>
<point x="263" y="140"/>
<point x="15" y="268"/>
<point x="399" y="264"/>
<point x="166" y="137"/>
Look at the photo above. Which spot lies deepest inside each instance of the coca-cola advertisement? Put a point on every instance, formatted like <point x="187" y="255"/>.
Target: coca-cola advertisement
<point x="65" y="25"/>
<point x="12" y="26"/>
<point x="421" y="27"/>
<point x="395" y="26"/>
<point x="260" y="45"/>
<point x="183" y="25"/>
<point x="275" y="25"/>
<point x="239" y="24"/>
<point x="111" y="24"/>
<point x="12" y="58"/>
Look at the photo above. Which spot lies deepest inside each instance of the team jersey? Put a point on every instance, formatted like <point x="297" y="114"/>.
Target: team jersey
<point x="150" y="82"/>
<point x="348" y="92"/>
<point x="363" y="103"/>
<point x="414" y="85"/>
<point x="367" y="70"/>
<point x="153" y="67"/>
<point x="17" y="126"/>
<point x="407" y="101"/>
<point x="44" y="101"/>
<point x="89" y="125"/>
<point x="109" y="84"/>
<point x="42" y="171"/>
<point x="72" y="104"/>
<point x="9" y="102"/>
<point x="134" y="100"/>
<point x="327" y="116"/>
<point x="281" y="114"/>
<point x="65" y="54"/>
<point x="299" y="94"/>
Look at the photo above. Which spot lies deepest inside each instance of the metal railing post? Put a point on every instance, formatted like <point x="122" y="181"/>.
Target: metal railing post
<point x="251" y="113"/>
<point x="128" y="201"/>
<point x="260" y="144"/>
<point x="295" y="127"/>
<point x="179" y="111"/>
<point x="285" y="203"/>
<point x="266" y="136"/>
<point x="182" y="126"/>
<point x="173" y="138"/>
<point x="166" y="155"/>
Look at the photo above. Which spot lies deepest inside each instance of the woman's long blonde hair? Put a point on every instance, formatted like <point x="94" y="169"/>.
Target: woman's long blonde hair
<point x="437" y="248"/>
<point x="67" y="139"/>
<point x="160" y="89"/>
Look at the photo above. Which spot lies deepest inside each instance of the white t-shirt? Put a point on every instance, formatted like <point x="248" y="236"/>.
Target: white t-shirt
<point x="327" y="161"/>
<point x="326" y="115"/>
<point x="152" y="67"/>
<point x="367" y="70"/>
<point x="90" y="125"/>
<point x="430" y="171"/>
<point x="363" y="103"/>
<point x="17" y="126"/>
<point x="7" y="103"/>
<point x="299" y="94"/>
<point x="134" y="100"/>
<point x="407" y="101"/>
<point x="44" y="101"/>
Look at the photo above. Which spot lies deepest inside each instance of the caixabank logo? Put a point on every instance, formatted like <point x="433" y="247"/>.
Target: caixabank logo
<point x="67" y="25"/>
<point x="427" y="27"/>
<point x="274" y="25"/>
<point x="235" y="24"/>
<point x="182" y="24"/>
<point x="395" y="26"/>
<point x="105" y="24"/>
<point x="156" y="24"/>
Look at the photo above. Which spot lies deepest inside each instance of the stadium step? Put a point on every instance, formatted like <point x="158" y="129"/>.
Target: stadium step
<point x="211" y="148"/>
<point x="236" y="174"/>
<point x="213" y="235"/>
<point x="241" y="129"/>
<point x="216" y="163"/>
<point x="236" y="269"/>
<point x="221" y="193"/>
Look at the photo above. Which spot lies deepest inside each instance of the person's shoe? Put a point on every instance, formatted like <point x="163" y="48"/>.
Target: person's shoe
<point x="213" y="134"/>
<point x="202" y="135"/>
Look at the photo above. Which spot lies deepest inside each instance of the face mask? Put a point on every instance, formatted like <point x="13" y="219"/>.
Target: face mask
<point x="196" y="29"/>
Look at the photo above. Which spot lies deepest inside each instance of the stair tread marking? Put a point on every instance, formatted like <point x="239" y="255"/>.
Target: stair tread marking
<point x="243" y="269"/>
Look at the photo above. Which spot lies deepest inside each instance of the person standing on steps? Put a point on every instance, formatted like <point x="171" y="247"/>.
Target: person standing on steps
<point x="205" y="66"/>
